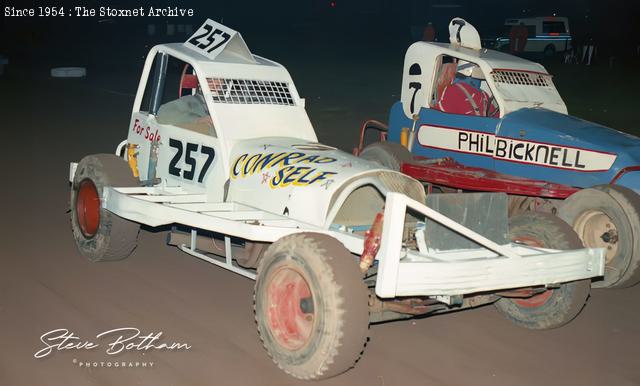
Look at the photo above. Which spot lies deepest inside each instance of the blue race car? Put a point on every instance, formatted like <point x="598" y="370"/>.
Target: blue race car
<point x="473" y="119"/>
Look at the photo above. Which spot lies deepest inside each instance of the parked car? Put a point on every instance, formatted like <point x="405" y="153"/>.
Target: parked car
<point x="547" y="35"/>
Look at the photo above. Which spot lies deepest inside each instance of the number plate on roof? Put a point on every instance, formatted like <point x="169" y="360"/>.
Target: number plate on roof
<point x="211" y="39"/>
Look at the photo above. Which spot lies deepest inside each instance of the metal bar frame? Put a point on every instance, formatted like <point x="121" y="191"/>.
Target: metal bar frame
<point x="401" y="272"/>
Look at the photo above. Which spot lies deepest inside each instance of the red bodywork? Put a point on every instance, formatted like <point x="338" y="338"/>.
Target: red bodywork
<point x="447" y="172"/>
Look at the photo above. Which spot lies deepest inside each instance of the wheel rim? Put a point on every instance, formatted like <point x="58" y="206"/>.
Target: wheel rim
<point x="88" y="208"/>
<point x="542" y="298"/>
<point x="535" y="301"/>
<point x="291" y="308"/>
<point x="597" y="230"/>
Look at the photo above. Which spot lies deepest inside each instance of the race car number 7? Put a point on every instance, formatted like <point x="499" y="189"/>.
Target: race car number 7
<point x="189" y="159"/>
<point x="207" y="36"/>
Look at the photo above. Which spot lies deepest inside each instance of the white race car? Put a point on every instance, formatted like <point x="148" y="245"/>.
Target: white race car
<point x="221" y="149"/>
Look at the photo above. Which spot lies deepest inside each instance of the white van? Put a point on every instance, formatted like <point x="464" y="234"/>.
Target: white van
<point x="549" y="34"/>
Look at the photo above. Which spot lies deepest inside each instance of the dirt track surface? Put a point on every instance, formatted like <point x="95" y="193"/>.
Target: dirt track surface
<point x="45" y="284"/>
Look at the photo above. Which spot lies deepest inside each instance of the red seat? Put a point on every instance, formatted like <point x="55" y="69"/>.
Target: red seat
<point x="189" y="81"/>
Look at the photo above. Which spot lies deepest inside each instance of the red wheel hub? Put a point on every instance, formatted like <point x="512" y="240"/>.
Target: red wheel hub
<point x="88" y="208"/>
<point x="290" y="311"/>
<point x="536" y="300"/>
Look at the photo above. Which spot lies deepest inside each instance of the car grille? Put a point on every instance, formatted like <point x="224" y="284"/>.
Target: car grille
<point x="245" y="91"/>
<point x="521" y="78"/>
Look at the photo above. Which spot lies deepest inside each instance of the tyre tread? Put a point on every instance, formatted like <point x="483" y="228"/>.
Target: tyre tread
<point x="122" y="236"/>
<point x="570" y="298"/>
<point x="341" y="271"/>
<point x="388" y="154"/>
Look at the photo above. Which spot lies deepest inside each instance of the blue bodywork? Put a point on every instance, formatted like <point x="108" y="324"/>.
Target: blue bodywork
<point x="540" y="128"/>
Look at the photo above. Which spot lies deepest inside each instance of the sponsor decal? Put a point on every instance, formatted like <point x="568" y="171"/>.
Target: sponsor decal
<point x="294" y="168"/>
<point x="146" y="133"/>
<point x="514" y="150"/>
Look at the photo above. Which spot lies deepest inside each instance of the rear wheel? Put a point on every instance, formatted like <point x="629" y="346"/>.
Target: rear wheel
<point x="608" y="216"/>
<point x="99" y="234"/>
<point x="553" y="307"/>
<point x="311" y="306"/>
<point x="387" y="154"/>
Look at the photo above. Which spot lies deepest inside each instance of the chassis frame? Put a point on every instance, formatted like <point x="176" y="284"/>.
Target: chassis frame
<point x="401" y="271"/>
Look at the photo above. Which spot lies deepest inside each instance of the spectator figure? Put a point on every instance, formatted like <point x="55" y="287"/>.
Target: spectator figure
<point x="588" y="51"/>
<point x="429" y="33"/>
<point x="523" y="35"/>
<point x="513" y="39"/>
<point x="570" y="56"/>
<point x="518" y="38"/>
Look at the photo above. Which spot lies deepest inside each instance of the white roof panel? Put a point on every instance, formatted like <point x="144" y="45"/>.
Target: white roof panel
<point x="490" y="58"/>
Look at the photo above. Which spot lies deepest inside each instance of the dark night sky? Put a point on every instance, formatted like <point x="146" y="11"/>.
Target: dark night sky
<point x="615" y="24"/>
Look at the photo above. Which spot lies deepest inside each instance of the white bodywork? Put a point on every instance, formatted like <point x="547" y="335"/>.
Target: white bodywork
<point x="269" y="178"/>
<point x="464" y="34"/>
<point x="308" y="181"/>
<point x="500" y="70"/>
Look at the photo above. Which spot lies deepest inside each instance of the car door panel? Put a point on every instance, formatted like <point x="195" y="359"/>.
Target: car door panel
<point x="467" y="139"/>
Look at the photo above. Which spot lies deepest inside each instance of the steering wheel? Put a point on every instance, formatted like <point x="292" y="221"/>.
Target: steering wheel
<point x="492" y="103"/>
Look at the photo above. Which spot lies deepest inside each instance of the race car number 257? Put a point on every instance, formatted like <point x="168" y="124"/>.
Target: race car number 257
<point x="211" y="38"/>
<point x="187" y="151"/>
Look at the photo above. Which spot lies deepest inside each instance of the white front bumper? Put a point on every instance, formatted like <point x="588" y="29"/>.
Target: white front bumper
<point x="491" y="268"/>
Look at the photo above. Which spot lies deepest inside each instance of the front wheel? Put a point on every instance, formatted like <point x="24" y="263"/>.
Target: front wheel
<point x="99" y="234"/>
<point x="554" y="307"/>
<point x="311" y="306"/>
<point x="608" y="216"/>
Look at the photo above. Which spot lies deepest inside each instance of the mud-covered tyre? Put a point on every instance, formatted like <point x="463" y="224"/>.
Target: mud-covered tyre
<point x="608" y="216"/>
<point x="99" y="234"/>
<point x="387" y="154"/>
<point x="311" y="306"/>
<point x="554" y="307"/>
